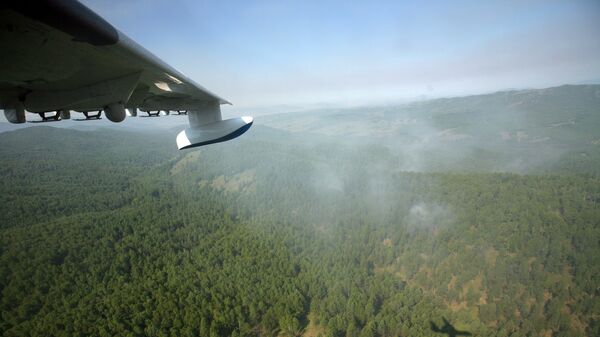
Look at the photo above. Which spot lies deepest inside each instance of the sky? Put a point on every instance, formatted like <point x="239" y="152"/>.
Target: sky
<point x="326" y="53"/>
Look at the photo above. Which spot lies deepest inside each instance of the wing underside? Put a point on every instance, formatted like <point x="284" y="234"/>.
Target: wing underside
<point x="59" y="56"/>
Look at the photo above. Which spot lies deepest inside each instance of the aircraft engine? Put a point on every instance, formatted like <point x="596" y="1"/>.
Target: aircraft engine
<point x="15" y="115"/>
<point x="115" y="112"/>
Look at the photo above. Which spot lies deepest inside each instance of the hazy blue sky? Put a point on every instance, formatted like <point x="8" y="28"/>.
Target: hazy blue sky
<point x="260" y="53"/>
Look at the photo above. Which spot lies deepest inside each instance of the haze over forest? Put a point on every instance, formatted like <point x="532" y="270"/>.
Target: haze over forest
<point x="371" y="221"/>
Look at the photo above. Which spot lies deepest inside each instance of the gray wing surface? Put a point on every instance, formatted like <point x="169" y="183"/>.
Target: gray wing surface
<point x="59" y="56"/>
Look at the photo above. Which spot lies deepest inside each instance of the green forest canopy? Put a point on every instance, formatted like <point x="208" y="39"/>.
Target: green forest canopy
<point x="110" y="233"/>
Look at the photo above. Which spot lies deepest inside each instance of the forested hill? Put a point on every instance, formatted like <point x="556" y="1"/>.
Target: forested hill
<point x="281" y="233"/>
<point x="523" y="131"/>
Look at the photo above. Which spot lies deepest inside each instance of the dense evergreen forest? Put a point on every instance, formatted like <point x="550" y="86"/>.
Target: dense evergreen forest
<point x="280" y="233"/>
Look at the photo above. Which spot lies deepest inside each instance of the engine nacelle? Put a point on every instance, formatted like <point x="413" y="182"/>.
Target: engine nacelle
<point x="15" y="115"/>
<point x="115" y="112"/>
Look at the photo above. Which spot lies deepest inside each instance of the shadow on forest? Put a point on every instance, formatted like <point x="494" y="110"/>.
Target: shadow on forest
<point x="448" y="329"/>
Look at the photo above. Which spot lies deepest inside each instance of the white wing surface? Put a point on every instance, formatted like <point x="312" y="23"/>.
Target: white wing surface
<point x="59" y="56"/>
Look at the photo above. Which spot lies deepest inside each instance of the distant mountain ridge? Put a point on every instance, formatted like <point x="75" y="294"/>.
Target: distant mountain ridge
<point x="517" y="130"/>
<point x="550" y="103"/>
<point x="523" y="131"/>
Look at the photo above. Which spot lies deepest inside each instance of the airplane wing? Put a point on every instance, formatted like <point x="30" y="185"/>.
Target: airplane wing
<point x="59" y="56"/>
